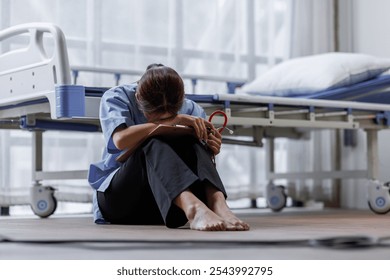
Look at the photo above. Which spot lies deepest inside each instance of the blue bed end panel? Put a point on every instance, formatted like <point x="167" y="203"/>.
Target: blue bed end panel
<point x="70" y="101"/>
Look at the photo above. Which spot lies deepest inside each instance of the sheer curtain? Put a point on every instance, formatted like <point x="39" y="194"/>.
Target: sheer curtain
<point x="313" y="27"/>
<point x="312" y="32"/>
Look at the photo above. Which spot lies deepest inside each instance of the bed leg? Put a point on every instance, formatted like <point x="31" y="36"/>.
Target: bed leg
<point x="372" y="154"/>
<point x="43" y="202"/>
<point x="378" y="193"/>
<point x="275" y="195"/>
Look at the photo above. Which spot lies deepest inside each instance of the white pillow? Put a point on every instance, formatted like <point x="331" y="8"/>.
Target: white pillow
<point x="306" y="75"/>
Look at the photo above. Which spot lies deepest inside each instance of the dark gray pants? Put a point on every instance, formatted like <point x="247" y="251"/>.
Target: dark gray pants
<point x="143" y="189"/>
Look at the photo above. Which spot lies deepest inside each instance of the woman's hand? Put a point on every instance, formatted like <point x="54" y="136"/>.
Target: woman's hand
<point x="204" y="130"/>
<point x="201" y="126"/>
<point x="214" y="141"/>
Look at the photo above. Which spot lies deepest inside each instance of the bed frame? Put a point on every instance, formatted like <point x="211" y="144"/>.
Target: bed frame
<point x="37" y="94"/>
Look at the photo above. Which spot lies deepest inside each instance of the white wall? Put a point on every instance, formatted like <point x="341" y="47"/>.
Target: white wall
<point x="364" y="28"/>
<point x="370" y="29"/>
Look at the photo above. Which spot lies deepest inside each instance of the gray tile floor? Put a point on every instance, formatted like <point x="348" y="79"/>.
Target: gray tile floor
<point x="65" y="237"/>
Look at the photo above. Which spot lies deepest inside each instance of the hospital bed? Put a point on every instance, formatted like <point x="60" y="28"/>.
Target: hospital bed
<point x="37" y="94"/>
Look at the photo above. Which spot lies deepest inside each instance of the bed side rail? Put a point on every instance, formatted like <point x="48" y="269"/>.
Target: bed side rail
<point x="268" y="111"/>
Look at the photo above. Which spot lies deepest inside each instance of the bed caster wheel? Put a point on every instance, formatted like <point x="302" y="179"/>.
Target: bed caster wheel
<point x="43" y="202"/>
<point x="276" y="197"/>
<point x="379" y="197"/>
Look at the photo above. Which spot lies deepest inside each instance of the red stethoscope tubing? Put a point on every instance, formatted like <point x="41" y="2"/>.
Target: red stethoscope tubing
<point x="219" y="112"/>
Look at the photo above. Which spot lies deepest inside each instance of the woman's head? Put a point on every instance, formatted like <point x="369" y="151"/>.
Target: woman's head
<point x="160" y="91"/>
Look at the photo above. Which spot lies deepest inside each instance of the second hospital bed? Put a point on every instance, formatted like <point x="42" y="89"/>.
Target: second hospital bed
<point x="36" y="94"/>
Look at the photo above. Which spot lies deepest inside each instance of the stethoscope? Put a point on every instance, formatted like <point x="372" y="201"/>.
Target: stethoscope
<point x="224" y="125"/>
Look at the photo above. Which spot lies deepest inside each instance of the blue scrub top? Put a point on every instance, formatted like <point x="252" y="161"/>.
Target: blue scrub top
<point x="118" y="106"/>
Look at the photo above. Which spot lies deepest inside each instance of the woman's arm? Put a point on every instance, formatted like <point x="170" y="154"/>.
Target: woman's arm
<point x="128" y="137"/>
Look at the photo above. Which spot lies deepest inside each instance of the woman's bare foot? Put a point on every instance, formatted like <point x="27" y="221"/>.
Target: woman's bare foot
<point x="217" y="203"/>
<point x="202" y="218"/>
<point x="198" y="214"/>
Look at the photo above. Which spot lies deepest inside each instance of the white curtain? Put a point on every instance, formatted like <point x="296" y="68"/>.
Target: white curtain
<point x="313" y="27"/>
<point x="312" y="32"/>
